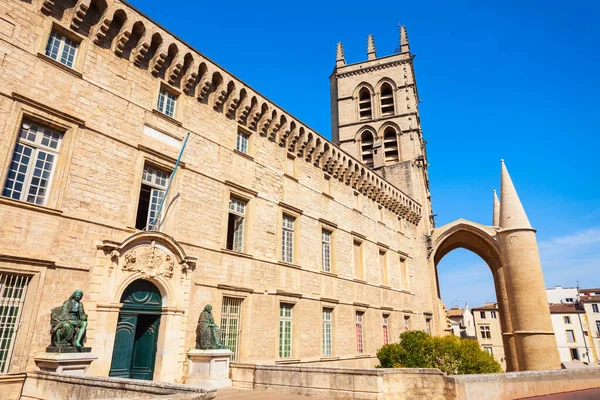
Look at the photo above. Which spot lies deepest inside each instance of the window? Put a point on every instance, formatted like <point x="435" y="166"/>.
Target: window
<point x="325" y="250"/>
<point x="406" y="323"/>
<point x="230" y="324"/>
<point x="574" y="354"/>
<point x="242" y="142"/>
<point x="359" y="332"/>
<point x="428" y="325"/>
<point x="386" y="337"/>
<point x="166" y="103"/>
<point x="570" y="336"/>
<point x="285" y="330"/>
<point x="383" y="267"/>
<point x="405" y="284"/>
<point x="32" y="164"/>
<point x="387" y="100"/>
<point x="569" y="300"/>
<point x="61" y="49"/>
<point x="287" y="239"/>
<point x="364" y="104"/>
<point x="595" y="308"/>
<point x="493" y="314"/>
<point x="290" y="165"/>
<point x="358" y="260"/>
<point x="390" y="145"/>
<point x="482" y="314"/>
<point x="485" y="332"/>
<point x="366" y="148"/>
<point x="327" y="331"/>
<point x="13" y="289"/>
<point x="235" y="224"/>
<point x="489" y="350"/>
<point x="567" y="320"/>
<point x="152" y="193"/>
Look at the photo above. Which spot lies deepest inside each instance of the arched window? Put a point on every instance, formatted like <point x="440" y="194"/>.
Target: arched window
<point x="366" y="148"/>
<point x="390" y="144"/>
<point x="364" y="104"/>
<point x="387" y="100"/>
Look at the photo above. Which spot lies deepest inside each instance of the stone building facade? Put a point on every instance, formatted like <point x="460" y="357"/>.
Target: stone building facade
<point x="309" y="252"/>
<point x="489" y="332"/>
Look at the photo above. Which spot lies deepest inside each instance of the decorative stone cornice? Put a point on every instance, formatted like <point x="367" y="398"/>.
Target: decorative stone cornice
<point x="184" y="68"/>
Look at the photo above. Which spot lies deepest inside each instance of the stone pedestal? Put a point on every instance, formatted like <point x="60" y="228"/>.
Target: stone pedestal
<point x="209" y="368"/>
<point x="65" y="362"/>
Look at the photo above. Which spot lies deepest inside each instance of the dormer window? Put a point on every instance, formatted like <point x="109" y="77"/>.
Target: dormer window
<point x="387" y="100"/>
<point x="364" y="104"/>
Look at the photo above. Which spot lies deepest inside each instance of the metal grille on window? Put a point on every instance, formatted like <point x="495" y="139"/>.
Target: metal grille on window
<point x="285" y="330"/>
<point x="287" y="239"/>
<point x="13" y="289"/>
<point x="359" y="332"/>
<point x="32" y="165"/>
<point x="157" y="179"/>
<point x="61" y="49"/>
<point x="230" y="325"/>
<point x="326" y="250"/>
<point x="327" y="332"/>
<point x="385" y="329"/>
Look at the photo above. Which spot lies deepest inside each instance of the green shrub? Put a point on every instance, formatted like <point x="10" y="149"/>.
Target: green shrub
<point x="450" y="354"/>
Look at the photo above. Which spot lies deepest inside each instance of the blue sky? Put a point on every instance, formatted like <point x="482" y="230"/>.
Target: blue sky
<point x="513" y="80"/>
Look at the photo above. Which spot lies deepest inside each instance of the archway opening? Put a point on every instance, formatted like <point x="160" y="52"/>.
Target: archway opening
<point x="134" y="351"/>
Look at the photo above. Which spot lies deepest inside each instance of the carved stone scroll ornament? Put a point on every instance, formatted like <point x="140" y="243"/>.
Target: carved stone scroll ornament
<point x="149" y="261"/>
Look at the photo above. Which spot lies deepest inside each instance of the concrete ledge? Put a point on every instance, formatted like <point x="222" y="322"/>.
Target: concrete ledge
<point x="11" y="385"/>
<point x="51" y="386"/>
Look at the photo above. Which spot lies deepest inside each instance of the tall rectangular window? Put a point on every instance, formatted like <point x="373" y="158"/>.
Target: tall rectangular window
<point x="575" y="354"/>
<point x="406" y="323"/>
<point x="493" y="314"/>
<point x="13" y="289"/>
<point x="383" y="268"/>
<point x="567" y="319"/>
<point x="597" y="328"/>
<point x="485" y="332"/>
<point x="325" y="250"/>
<point x="230" y="325"/>
<point x="360" y="348"/>
<point x="32" y="164"/>
<point x="428" y="325"/>
<point x="386" y="335"/>
<point x="489" y="350"/>
<point x="287" y="239"/>
<point x="327" y="332"/>
<point x="242" y="142"/>
<point x="595" y="308"/>
<point x="152" y="193"/>
<point x="358" y="260"/>
<point x="405" y="284"/>
<point x="61" y="49"/>
<point x="285" y="330"/>
<point x="166" y="102"/>
<point x="482" y="314"/>
<point x="235" y="224"/>
<point x="570" y="336"/>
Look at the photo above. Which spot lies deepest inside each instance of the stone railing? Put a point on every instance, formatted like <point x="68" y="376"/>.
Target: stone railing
<point x="130" y="35"/>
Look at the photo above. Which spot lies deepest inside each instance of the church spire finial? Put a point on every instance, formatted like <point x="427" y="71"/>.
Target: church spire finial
<point x="512" y="213"/>
<point x="371" y="48"/>
<point x="339" y="55"/>
<point x="496" y="214"/>
<point x="404" y="46"/>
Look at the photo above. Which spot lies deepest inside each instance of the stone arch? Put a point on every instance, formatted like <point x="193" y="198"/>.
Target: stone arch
<point x="483" y="241"/>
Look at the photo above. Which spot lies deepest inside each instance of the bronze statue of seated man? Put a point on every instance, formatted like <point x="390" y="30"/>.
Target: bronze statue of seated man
<point x="68" y="322"/>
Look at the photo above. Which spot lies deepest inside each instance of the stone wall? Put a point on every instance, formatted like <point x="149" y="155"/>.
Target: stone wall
<point x="409" y="383"/>
<point x="49" y="386"/>
<point x="11" y="385"/>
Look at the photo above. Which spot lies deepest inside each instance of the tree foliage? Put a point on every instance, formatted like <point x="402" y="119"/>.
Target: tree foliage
<point x="450" y="354"/>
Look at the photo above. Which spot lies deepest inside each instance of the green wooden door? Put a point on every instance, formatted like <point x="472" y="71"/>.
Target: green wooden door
<point x="124" y="341"/>
<point x="136" y="335"/>
<point x="144" y="348"/>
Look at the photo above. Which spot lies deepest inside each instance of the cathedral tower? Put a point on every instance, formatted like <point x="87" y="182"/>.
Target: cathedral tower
<point x="375" y="117"/>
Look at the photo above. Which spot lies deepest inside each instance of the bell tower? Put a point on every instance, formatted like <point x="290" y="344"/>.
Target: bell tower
<point x="375" y="117"/>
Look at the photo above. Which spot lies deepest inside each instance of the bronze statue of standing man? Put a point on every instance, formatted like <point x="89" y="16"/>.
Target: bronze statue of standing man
<point x="208" y="334"/>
